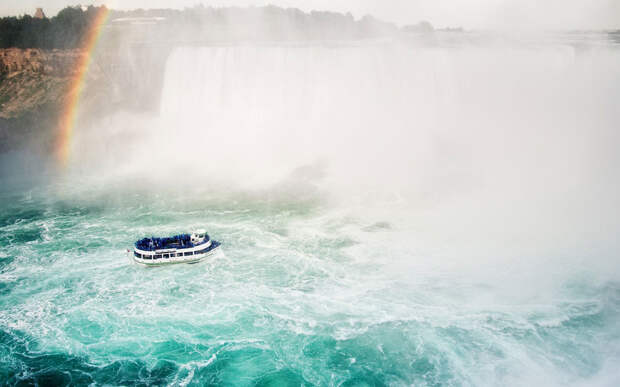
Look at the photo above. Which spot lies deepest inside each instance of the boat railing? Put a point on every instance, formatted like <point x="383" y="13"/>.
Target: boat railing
<point x="161" y="254"/>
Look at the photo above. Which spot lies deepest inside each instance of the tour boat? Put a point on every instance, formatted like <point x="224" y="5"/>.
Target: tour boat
<point x="183" y="248"/>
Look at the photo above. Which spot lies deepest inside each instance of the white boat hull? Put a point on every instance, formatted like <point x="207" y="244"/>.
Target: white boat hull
<point x="175" y="260"/>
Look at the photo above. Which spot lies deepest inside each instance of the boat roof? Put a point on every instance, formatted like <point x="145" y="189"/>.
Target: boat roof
<point x="181" y="241"/>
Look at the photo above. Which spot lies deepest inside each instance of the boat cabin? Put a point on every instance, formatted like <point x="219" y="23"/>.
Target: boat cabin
<point x="198" y="236"/>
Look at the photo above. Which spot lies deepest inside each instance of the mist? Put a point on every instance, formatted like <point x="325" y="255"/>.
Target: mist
<point x="396" y="205"/>
<point x="508" y="149"/>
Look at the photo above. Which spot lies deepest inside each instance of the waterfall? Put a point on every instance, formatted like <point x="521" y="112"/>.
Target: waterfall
<point x="474" y="135"/>
<point x="514" y="135"/>
<point x="284" y="106"/>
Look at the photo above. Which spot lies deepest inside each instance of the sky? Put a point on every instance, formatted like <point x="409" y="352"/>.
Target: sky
<point x="470" y="14"/>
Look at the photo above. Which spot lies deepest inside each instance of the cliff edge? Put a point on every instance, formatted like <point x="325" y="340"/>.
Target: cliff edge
<point x="33" y="78"/>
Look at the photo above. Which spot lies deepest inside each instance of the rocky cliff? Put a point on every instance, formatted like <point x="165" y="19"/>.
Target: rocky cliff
<point x="34" y="87"/>
<point x="33" y="84"/>
<point x="33" y="78"/>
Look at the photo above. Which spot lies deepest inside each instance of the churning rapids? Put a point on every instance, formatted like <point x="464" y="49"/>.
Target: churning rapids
<point x="389" y="215"/>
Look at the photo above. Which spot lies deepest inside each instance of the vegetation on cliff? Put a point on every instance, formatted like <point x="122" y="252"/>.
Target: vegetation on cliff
<point x="65" y="30"/>
<point x="258" y="23"/>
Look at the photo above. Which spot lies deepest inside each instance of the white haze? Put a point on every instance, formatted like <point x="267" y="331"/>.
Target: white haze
<point x="471" y="14"/>
<point x="492" y="155"/>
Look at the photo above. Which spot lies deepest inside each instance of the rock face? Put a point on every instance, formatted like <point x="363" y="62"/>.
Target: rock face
<point x="34" y="85"/>
<point x="34" y="60"/>
<point x="33" y="77"/>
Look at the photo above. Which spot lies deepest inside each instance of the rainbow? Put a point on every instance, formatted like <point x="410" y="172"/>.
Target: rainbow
<point x="70" y="108"/>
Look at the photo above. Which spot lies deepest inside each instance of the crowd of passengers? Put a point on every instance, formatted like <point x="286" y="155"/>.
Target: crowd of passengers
<point x="177" y="241"/>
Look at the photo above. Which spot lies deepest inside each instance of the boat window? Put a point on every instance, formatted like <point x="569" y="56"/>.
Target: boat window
<point x="157" y="256"/>
<point x="148" y="256"/>
<point x="188" y="253"/>
<point x="137" y="254"/>
<point x="166" y="255"/>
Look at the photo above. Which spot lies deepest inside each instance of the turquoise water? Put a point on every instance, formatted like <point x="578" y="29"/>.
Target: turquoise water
<point x="304" y="293"/>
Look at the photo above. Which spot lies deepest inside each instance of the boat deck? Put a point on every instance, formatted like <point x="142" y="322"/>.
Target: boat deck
<point x="182" y="241"/>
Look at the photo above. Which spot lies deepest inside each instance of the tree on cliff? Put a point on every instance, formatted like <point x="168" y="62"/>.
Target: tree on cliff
<point x="68" y="28"/>
<point x="65" y="30"/>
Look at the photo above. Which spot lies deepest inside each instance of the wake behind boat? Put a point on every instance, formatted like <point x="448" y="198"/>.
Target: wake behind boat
<point x="183" y="248"/>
